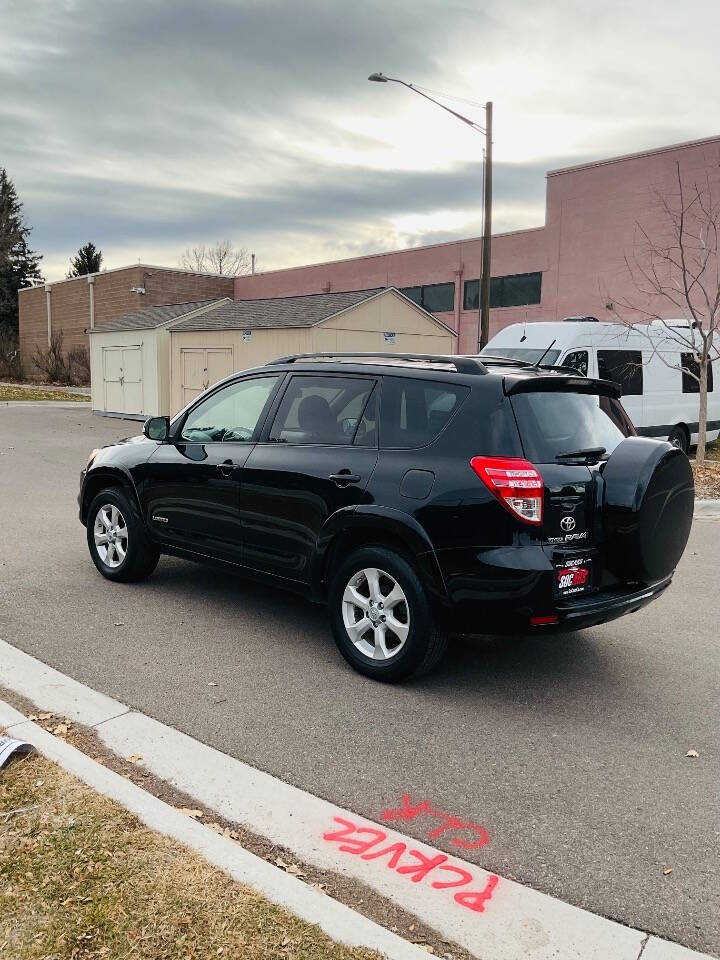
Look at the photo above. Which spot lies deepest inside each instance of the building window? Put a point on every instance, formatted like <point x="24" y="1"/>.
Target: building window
<point x="435" y="297"/>
<point x="624" y="367"/>
<point x="689" y="383"/>
<point x="515" y="290"/>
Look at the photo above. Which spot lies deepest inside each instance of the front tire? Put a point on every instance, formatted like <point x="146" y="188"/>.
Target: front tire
<point x="380" y="616"/>
<point x="118" y="542"/>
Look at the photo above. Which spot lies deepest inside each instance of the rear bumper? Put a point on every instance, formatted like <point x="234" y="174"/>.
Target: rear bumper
<point x="513" y="590"/>
<point x="597" y="608"/>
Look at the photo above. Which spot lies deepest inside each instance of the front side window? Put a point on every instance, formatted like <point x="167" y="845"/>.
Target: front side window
<point x="690" y="383"/>
<point x="327" y="410"/>
<point x="623" y="367"/>
<point x="415" y="411"/>
<point x="231" y="414"/>
<point x="578" y="360"/>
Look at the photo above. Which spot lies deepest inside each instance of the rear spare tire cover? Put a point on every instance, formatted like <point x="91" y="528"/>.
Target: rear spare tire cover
<point x="648" y="507"/>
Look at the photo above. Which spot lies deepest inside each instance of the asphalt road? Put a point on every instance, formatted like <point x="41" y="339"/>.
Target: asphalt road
<point x="570" y="750"/>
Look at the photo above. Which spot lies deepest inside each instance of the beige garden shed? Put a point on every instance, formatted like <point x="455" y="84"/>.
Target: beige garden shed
<point x="130" y="360"/>
<point x="238" y="334"/>
<point x="156" y="360"/>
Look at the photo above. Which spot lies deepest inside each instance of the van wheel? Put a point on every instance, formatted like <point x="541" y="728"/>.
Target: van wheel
<point x="680" y="438"/>
<point x="381" y="618"/>
<point x="118" y="542"/>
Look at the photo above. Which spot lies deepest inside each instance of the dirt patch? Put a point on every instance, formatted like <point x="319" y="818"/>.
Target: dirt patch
<point x="349" y="891"/>
<point x="707" y="480"/>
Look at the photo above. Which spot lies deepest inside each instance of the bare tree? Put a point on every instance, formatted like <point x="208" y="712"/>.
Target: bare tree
<point x="676" y="265"/>
<point x="220" y="257"/>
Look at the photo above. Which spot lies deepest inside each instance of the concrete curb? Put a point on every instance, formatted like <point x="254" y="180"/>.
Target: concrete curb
<point x="707" y="510"/>
<point x="512" y="922"/>
<point x="338" y="921"/>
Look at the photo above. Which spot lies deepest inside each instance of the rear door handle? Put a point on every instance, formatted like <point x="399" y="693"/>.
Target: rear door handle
<point x="226" y="468"/>
<point x="344" y="477"/>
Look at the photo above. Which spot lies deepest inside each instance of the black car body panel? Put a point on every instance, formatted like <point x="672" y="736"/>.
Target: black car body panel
<point x="288" y="512"/>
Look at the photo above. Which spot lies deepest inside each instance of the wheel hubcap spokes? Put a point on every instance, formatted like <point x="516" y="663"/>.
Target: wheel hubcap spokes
<point x="111" y="535"/>
<point x="376" y="614"/>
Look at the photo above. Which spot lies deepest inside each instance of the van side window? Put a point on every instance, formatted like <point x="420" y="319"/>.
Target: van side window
<point x="690" y="366"/>
<point x="578" y="360"/>
<point x="624" y="367"/>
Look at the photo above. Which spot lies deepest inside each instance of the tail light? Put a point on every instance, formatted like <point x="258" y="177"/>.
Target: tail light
<point x="515" y="482"/>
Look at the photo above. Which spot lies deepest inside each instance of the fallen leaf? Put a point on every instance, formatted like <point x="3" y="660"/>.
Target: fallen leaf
<point x="692" y="753"/>
<point x="134" y="758"/>
<point x="667" y="871"/>
<point x="294" y="870"/>
<point x="60" y="730"/>
<point x="195" y="814"/>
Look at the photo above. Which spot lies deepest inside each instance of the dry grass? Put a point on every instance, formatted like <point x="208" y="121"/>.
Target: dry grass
<point x="82" y="879"/>
<point x="707" y="480"/>
<point x="24" y="393"/>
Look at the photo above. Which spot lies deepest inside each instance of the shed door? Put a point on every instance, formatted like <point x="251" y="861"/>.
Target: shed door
<point x="202" y="367"/>
<point x="122" y="379"/>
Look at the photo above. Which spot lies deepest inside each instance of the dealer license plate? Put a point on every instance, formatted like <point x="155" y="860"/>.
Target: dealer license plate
<point x="573" y="576"/>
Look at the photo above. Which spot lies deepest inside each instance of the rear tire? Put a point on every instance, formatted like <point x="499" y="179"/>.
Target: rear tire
<point x="117" y="539"/>
<point x="381" y="619"/>
<point x="680" y="438"/>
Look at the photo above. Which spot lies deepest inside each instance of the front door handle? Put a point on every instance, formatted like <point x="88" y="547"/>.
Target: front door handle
<point x="226" y="468"/>
<point x="344" y="477"/>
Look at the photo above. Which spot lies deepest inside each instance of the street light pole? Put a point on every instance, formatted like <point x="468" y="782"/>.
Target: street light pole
<point x="484" y="283"/>
<point x="484" y="292"/>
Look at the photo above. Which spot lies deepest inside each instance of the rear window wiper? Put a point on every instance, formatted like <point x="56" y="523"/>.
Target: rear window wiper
<point x="589" y="454"/>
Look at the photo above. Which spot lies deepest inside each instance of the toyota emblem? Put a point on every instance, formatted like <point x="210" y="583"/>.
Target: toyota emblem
<point x="568" y="524"/>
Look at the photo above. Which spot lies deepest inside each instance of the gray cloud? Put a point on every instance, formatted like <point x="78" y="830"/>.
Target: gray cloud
<point x="154" y="125"/>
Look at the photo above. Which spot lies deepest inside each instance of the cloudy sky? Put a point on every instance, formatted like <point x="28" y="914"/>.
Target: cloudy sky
<point x="147" y="126"/>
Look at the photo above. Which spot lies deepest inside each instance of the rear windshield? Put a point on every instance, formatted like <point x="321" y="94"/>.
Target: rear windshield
<point x="522" y="353"/>
<point x="557" y="423"/>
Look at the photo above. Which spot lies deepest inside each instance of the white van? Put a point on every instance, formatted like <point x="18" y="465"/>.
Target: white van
<point x="662" y="400"/>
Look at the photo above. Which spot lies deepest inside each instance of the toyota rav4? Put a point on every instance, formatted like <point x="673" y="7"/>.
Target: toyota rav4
<point x="416" y="496"/>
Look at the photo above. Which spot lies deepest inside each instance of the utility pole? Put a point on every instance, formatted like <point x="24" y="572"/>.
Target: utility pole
<point x="484" y="292"/>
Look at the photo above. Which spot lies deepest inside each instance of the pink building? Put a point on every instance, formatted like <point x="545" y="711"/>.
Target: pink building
<point x="573" y="265"/>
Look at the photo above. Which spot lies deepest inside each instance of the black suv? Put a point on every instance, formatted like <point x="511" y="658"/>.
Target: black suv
<point x="417" y="496"/>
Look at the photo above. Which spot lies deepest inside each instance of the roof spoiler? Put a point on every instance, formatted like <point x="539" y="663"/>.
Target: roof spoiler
<point x="461" y="364"/>
<point x="560" y="384"/>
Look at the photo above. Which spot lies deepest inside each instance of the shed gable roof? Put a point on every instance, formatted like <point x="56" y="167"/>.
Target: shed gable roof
<point x="276" y="312"/>
<point x="155" y="316"/>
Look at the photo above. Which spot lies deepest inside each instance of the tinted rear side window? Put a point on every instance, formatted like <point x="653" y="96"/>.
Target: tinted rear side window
<point x="556" y="423"/>
<point x="413" y="412"/>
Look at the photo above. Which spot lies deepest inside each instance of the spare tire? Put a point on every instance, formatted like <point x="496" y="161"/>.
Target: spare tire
<point x="648" y="505"/>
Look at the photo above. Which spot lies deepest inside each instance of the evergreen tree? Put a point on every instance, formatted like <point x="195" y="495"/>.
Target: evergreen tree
<point x="19" y="265"/>
<point x="88" y="259"/>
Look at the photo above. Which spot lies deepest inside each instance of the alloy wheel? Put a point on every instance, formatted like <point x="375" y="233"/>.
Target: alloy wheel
<point x="376" y="614"/>
<point x="111" y="535"/>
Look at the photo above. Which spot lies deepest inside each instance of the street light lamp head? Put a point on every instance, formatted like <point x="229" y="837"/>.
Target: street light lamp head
<point x="378" y="78"/>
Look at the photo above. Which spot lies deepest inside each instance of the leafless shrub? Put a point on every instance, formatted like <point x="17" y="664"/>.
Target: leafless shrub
<point x="10" y="363"/>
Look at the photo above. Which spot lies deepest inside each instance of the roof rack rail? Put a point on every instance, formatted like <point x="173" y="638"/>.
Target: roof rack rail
<point x="461" y="364"/>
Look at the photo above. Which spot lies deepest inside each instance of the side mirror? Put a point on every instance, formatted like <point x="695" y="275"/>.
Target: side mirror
<point x="157" y="428"/>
